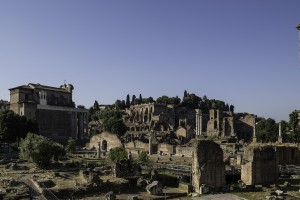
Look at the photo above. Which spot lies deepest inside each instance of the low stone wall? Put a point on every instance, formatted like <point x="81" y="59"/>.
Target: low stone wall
<point x="184" y="151"/>
<point x="185" y="187"/>
<point x="166" y="149"/>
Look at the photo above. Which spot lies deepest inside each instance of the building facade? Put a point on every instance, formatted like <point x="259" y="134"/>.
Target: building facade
<point x="52" y="108"/>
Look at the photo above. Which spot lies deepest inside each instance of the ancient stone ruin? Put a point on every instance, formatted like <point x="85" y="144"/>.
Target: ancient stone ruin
<point x="261" y="162"/>
<point x="259" y="165"/>
<point x="208" y="167"/>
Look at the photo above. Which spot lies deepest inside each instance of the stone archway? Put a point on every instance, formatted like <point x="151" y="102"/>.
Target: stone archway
<point x="104" y="145"/>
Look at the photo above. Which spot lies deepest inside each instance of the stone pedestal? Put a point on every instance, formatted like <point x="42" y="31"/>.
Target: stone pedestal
<point x="280" y="140"/>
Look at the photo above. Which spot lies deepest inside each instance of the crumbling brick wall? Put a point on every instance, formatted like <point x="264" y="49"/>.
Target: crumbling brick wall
<point x="259" y="165"/>
<point x="208" y="166"/>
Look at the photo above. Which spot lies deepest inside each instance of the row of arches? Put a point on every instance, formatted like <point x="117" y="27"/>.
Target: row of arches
<point x="143" y="111"/>
<point x="142" y="115"/>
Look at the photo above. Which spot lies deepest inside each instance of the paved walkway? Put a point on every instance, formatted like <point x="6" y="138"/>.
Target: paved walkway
<point x="219" y="197"/>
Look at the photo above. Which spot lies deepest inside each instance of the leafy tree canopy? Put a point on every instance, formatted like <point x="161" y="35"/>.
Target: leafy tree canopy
<point x="111" y="121"/>
<point x="118" y="153"/>
<point x="267" y="130"/>
<point x="40" y="150"/>
<point x="14" y="127"/>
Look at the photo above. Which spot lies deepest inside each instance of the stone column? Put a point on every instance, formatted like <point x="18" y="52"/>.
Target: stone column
<point x="224" y="128"/>
<point x="86" y="125"/>
<point x="254" y="131"/>
<point x="99" y="150"/>
<point x="198" y="123"/>
<point x="279" y="134"/>
<point x="74" y="125"/>
<point x="150" y="142"/>
<point x="129" y="156"/>
<point x="80" y="125"/>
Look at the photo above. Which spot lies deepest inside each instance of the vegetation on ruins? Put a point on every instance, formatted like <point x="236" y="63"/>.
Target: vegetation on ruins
<point x="111" y="121"/>
<point x="14" y="127"/>
<point x="294" y="125"/>
<point x="294" y="120"/>
<point x="143" y="157"/>
<point x="118" y="153"/>
<point x="267" y="130"/>
<point x="40" y="150"/>
<point x="95" y="108"/>
<point x="70" y="147"/>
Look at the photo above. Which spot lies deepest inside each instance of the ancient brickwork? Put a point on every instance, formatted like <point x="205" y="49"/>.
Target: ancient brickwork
<point x="259" y="165"/>
<point x="260" y="162"/>
<point x="208" y="166"/>
<point x="185" y="134"/>
<point x="220" y="124"/>
<point x="185" y="151"/>
<point x="137" y="146"/>
<point x="57" y="124"/>
<point x="166" y="149"/>
<point x="288" y="154"/>
<point x="158" y="117"/>
<point x="106" y="140"/>
<point x="244" y="126"/>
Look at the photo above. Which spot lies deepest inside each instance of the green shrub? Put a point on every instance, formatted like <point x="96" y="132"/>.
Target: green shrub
<point x="70" y="148"/>
<point x="40" y="150"/>
<point x="118" y="153"/>
<point x="143" y="157"/>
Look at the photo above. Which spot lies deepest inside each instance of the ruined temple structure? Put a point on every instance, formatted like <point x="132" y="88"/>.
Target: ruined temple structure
<point x="208" y="166"/>
<point x="162" y="119"/>
<point x="261" y="162"/>
<point x="187" y="123"/>
<point x="152" y="116"/>
<point x="227" y="124"/>
<point x="52" y="108"/>
<point x="220" y="123"/>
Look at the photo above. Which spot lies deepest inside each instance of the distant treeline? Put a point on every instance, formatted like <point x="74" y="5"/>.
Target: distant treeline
<point x="189" y="100"/>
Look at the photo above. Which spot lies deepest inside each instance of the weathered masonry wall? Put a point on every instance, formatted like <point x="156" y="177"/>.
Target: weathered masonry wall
<point x="259" y="165"/>
<point x="208" y="166"/>
<point x="260" y="162"/>
<point x="287" y="155"/>
<point x="61" y="123"/>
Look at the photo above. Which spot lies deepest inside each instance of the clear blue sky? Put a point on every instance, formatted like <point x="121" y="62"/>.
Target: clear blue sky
<point x="244" y="52"/>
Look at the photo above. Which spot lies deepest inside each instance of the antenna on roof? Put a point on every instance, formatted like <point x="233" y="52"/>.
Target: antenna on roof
<point x="65" y="82"/>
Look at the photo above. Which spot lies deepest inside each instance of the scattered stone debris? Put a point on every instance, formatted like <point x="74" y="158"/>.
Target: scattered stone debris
<point x="46" y="183"/>
<point x="155" y="188"/>
<point x="279" y="192"/>
<point x="110" y="196"/>
<point x="141" y="182"/>
<point x="271" y="197"/>
<point x="133" y="198"/>
<point x="204" y="189"/>
<point x="286" y="184"/>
